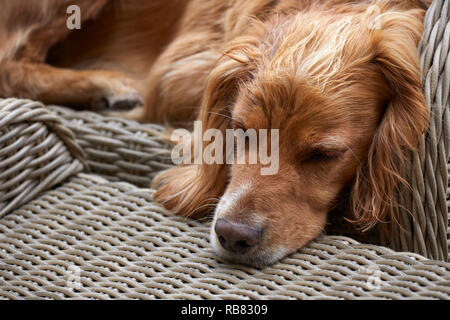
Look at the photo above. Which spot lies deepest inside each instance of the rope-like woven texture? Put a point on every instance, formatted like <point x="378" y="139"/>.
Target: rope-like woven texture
<point x="424" y="228"/>
<point x="91" y="238"/>
<point x="36" y="152"/>
<point x="118" y="149"/>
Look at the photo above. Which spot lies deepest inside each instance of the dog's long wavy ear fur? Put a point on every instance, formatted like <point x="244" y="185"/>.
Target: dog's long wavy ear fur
<point x="404" y="121"/>
<point x="194" y="189"/>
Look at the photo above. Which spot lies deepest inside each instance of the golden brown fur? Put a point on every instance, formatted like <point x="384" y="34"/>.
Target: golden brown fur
<point x="344" y="90"/>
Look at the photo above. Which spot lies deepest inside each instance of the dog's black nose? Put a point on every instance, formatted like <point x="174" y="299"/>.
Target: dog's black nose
<point x="237" y="238"/>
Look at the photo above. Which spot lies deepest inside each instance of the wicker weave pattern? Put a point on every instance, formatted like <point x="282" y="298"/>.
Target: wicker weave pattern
<point x="36" y="152"/>
<point x="127" y="247"/>
<point x="118" y="149"/>
<point x="424" y="228"/>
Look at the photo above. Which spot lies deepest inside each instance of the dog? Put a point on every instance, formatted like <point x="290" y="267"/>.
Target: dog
<point x="339" y="80"/>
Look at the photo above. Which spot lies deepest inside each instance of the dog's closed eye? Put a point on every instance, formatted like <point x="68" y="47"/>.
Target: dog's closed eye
<point x="321" y="155"/>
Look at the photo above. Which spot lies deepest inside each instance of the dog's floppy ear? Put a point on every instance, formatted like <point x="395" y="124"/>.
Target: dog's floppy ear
<point x="404" y="121"/>
<point x="232" y="70"/>
<point x="194" y="189"/>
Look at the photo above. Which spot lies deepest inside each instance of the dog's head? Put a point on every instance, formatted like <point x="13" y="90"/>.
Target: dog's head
<point x="340" y="91"/>
<point x="345" y="94"/>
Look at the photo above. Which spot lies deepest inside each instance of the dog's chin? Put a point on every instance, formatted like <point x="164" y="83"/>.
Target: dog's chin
<point x="258" y="258"/>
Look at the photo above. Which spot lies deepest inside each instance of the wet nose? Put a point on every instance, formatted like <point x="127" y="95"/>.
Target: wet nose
<point x="237" y="238"/>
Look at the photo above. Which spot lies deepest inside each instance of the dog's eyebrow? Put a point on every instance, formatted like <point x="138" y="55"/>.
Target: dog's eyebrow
<point x="331" y="142"/>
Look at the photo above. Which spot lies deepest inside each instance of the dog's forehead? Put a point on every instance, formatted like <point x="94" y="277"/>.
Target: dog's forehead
<point x="278" y="105"/>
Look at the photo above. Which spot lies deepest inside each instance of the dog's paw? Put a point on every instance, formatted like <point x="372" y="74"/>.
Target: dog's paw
<point x="116" y="93"/>
<point x="119" y="102"/>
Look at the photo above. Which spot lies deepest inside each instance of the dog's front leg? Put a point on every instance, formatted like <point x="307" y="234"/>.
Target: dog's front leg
<point x="84" y="88"/>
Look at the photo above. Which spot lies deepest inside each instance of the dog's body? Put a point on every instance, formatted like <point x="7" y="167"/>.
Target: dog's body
<point x="340" y="79"/>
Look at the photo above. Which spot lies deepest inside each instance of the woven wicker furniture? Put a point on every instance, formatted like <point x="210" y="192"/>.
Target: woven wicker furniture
<point x="127" y="247"/>
<point x="77" y="219"/>
<point x="424" y="221"/>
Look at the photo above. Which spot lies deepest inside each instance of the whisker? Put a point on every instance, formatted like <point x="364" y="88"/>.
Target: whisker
<point x="220" y="114"/>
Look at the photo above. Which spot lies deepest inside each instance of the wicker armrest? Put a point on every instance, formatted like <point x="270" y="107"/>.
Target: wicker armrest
<point x="422" y="211"/>
<point x="118" y="149"/>
<point x="37" y="152"/>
